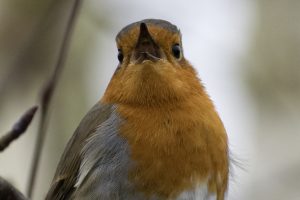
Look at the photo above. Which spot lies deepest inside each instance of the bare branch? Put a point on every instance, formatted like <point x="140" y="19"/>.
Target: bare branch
<point x="18" y="128"/>
<point x="47" y="92"/>
<point x="7" y="191"/>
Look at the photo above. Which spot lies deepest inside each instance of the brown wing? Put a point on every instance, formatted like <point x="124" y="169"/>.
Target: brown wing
<point x="65" y="177"/>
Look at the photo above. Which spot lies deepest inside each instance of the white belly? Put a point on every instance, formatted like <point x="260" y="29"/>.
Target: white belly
<point x="199" y="193"/>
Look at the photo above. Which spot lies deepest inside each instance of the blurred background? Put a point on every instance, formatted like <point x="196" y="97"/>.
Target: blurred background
<point x="247" y="53"/>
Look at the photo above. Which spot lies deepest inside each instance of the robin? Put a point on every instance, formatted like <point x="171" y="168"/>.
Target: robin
<point x="154" y="135"/>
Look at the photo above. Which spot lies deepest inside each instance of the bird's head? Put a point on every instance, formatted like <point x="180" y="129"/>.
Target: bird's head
<point x="152" y="69"/>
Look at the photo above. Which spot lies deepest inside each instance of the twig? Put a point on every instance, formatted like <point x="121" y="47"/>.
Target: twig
<point x="18" y="128"/>
<point x="7" y="191"/>
<point x="46" y="95"/>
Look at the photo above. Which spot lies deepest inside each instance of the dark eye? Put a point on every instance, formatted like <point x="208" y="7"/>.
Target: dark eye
<point x="176" y="50"/>
<point x="120" y="55"/>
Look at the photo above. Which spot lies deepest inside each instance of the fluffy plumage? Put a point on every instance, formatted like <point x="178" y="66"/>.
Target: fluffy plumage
<point x="155" y="134"/>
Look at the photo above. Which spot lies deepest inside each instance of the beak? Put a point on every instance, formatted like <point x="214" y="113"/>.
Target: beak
<point x="146" y="48"/>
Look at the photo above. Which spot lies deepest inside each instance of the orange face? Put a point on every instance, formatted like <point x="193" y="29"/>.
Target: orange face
<point x="164" y="38"/>
<point x="152" y="67"/>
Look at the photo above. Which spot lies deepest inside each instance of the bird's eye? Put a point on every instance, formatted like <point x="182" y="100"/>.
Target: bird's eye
<point x="120" y="55"/>
<point x="176" y="50"/>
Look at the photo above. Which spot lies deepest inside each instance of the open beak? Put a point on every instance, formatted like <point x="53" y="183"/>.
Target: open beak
<point x="146" y="48"/>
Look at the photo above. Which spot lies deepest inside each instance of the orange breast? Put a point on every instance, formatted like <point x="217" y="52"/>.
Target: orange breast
<point x="175" y="147"/>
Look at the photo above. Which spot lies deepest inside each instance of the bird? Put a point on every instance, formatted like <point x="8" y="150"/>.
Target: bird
<point x="154" y="135"/>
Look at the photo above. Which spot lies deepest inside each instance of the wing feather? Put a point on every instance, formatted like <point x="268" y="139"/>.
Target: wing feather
<point x="65" y="177"/>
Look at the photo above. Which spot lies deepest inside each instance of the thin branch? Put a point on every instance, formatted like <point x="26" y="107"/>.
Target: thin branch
<point x="7" y="191"/>
<point x="47" y="93"/>
<point x="18" y="128"/>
